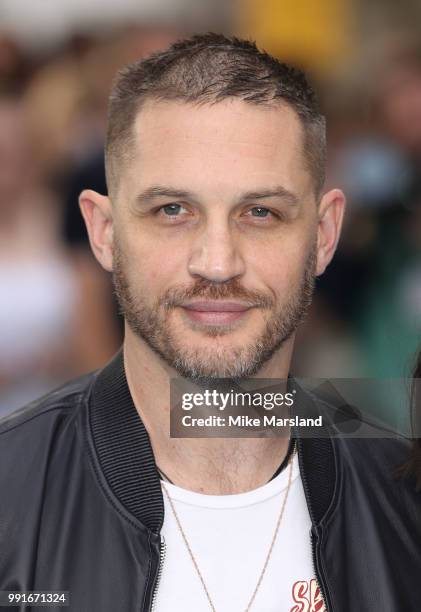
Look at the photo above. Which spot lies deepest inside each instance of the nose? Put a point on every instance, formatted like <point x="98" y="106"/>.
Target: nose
<point x="214" y="255"/>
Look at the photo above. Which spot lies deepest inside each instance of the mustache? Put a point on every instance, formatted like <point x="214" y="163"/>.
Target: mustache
<point x="177" y="296"/>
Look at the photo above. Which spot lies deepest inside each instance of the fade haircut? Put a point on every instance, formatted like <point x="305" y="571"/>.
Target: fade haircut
<point x="206" y="69"/>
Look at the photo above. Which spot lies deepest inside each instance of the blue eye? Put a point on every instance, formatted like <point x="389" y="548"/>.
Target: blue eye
<point x="260" y="211"/>
<point x="171" y="210"/>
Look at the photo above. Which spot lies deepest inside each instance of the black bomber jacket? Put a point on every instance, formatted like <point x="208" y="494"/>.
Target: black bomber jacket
<point x="81" y="506"/>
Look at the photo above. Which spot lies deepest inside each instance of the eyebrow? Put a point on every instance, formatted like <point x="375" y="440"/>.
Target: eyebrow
<point x="277" y="192"/>
<point x="159" y="191"/>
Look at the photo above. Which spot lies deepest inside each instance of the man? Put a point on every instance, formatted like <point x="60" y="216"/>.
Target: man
<point x="215" y="227"/>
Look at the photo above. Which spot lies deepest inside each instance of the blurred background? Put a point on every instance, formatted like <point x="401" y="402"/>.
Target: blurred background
<point x="57" y="61"/>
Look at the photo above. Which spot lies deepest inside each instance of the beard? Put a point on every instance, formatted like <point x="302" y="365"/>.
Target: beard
<point x="151" y="322"/>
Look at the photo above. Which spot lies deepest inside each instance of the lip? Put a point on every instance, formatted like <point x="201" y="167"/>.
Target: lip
<point x="215" y="312"/>
<point x="216" y="306"/>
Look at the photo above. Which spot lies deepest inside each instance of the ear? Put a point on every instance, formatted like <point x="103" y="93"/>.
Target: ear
<point x="97" y="212"/>
<point x="330" y="217"/>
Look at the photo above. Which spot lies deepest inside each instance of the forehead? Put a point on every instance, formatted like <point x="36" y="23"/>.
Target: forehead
<point x="219" y="144"/>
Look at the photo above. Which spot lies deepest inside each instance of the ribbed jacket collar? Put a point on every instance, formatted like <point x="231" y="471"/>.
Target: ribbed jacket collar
<point x="123" y="446"/>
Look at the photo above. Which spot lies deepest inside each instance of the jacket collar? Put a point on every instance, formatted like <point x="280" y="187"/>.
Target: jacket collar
<point x="123" y="446"/>
<point x="315" y="454"/>
<point x="125" y="455"/>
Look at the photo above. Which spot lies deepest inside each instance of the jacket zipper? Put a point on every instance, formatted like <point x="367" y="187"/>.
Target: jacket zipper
<point x="318" y="574"/>
<point x="313" y="533"/>
<point x="162" y="553"/>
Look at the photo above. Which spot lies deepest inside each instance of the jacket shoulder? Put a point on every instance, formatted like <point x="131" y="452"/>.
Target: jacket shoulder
<point x="62" y="401"/>
<point x="40" y="446"/>
<point x="369" y="451"/>
<point x="29" y="435"/>
<point x="366" y="443"/>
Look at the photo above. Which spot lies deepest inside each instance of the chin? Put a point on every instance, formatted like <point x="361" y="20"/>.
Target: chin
<point x="214" y="359"/>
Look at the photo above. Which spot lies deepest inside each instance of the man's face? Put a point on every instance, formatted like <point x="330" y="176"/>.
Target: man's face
<point x="215" y="227"/>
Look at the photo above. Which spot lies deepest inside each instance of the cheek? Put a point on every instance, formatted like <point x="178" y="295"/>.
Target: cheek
<point x="153" y="267"/>
<point x="280" y="265"/>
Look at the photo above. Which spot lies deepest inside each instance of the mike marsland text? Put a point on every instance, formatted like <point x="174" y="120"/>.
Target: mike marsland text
<point x="247" y="421"/>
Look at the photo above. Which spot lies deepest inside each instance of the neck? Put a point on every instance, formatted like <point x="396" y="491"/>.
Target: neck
<point x="215" y="466"/>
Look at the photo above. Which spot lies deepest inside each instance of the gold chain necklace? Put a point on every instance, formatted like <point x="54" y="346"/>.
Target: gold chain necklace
<point x="268" y="556"/>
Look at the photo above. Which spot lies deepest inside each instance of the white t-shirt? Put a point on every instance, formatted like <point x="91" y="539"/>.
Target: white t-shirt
<point x="230" y="536"/>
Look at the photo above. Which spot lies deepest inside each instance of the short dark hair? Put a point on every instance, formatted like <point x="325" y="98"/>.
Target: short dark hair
<point x="206" y="69"/>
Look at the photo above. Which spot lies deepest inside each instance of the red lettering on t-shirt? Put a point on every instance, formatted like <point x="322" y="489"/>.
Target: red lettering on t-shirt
<point x="307" y="596"/>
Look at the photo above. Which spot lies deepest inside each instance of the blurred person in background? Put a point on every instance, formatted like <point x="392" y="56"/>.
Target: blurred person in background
<point x="15" y="65"/>
<point x="379" y="166"/>
<point x="55" y="312"/>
